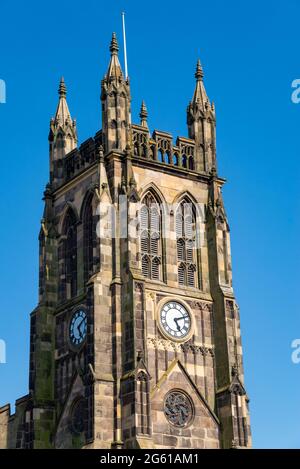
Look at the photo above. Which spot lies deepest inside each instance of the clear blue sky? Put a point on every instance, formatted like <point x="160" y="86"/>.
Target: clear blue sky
<point x="250" y="55"/>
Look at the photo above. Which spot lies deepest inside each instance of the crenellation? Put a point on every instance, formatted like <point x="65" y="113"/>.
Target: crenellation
<point x="160" y="148"/>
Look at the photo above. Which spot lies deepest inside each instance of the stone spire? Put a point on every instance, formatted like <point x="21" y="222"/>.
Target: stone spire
<point x="63" y="133"/>
<point x="144" y="115"/>
<point x="200" y="97"/>
<point x="115" y="98"/>
<point x="114" y="69"/>
<point x="62" y="112"/>
<point x="201" y="124"/>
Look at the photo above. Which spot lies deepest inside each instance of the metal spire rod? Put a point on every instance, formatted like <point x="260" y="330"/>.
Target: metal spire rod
<point x="124" y="39"/>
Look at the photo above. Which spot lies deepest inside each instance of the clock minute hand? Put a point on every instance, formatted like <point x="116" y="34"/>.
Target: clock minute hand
<point x="79" y="328"/>
<point x="181" y="317"/>
<point x="175" y="320"/>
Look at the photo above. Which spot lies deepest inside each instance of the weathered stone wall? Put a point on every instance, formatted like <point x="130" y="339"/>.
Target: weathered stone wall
<point x="203" y="430"/>
<point x="4" y="419"/>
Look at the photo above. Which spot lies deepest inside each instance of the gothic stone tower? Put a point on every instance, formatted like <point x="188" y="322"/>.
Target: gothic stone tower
<point x="135" y="342"/>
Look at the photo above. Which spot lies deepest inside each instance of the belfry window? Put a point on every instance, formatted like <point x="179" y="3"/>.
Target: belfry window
<point x="150" y="223"/>
<point x="186" y="244"/>
<point x="89" y="235"/>
<point x="67" y="258"/>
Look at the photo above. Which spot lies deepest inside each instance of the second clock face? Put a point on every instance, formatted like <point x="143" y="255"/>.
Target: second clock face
<point x="175" y="320"/>
<point x="78" y="327"/>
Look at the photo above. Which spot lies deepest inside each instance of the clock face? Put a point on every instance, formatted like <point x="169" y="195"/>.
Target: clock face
<point x="78" y="327"/>
<point x="175" y="320"/>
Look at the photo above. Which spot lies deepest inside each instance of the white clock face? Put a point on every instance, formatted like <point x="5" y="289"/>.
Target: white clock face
<point x="78" y="327"/>
<point x="175" y="320"/>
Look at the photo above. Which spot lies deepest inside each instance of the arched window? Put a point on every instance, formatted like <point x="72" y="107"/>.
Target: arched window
<point x="184" y="161"/>
<point x="191" y="163"/>
<point x="186" y="244"/>
<point x="152" y="152"/>
<point x="144" y="150"/>
<point x="67" y="258"/>
<point x="150" y="222"/>
<point x="161" y="156"/>
<point x="89" y="240"/>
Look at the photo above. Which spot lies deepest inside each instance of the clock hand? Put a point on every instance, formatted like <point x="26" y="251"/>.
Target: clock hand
<point x="175" y="320"/>
<point x="181" y="317"/>
<point x="178" y="319"/>
<point x="81" y="323"/>
<point x="79" y="328"/>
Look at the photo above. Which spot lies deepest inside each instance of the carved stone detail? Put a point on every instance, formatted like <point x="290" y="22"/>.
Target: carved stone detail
<point x="186" y="347"/>
<point x="203" y="306"/>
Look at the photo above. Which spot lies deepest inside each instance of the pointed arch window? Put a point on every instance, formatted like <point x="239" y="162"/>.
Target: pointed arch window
<point x="151" y="245"/>
<point x="191" y="163"/>
<point x="161" y="156"/>
<point x="186" y="244"/>
<point x="184" y="161"/>
<point x="67" y="258"/>
<point x="89" y="240"/>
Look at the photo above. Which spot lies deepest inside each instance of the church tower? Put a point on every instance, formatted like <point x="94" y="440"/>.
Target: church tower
<point x="135" y="341"/>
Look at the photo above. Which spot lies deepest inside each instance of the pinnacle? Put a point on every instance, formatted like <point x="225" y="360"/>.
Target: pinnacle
<point x="114" y="48"/>
<point x="143" y="112"/>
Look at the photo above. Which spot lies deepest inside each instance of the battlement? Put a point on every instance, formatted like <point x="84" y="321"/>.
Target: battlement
<point x="77" y="160"/>
<point x="159" y="147"/>
<point x="195" y="153"/>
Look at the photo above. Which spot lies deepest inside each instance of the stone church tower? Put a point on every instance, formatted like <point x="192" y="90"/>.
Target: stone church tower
<point x="135" y="341"/>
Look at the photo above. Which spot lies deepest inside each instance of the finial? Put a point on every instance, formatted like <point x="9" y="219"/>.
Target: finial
<point x="132" y="182"/>
<point x="114" y="48"/>
<point x="127" y="149"/>
<point x="143" y="114"/>
<point x="199" y="71"/>
<point x="47" y="192"/>
<point x="234" y="370"/>
<point x="100" y="152"/>
<point x="62" y="90"/>
<point x="123" y="185"/>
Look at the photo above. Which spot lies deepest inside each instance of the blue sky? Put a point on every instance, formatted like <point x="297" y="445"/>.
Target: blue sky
<point x="250" y="56"/>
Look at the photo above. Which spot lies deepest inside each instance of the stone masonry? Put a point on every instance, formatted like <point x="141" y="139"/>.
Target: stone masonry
<point x="104" y="371"/>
